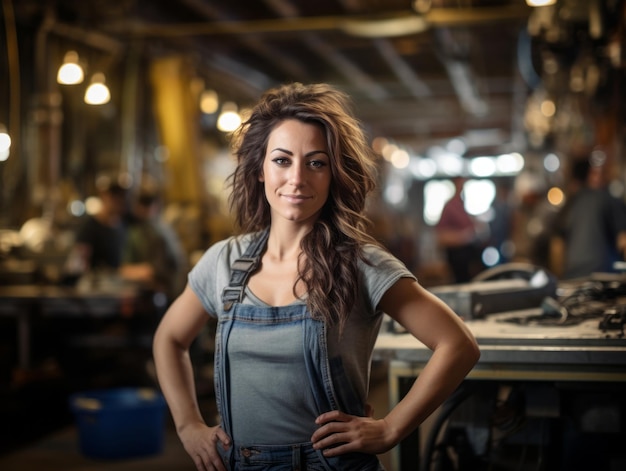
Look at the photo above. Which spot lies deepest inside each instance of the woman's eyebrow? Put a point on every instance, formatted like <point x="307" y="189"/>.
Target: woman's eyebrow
<point x="279" y="149"/>
<point x="314" y="152"/>
<point x="308" y="154"/>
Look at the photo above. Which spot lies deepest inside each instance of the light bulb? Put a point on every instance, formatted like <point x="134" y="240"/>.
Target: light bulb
<point x="209" y="101"/>
<point x="5" y="144"/>
<point x="229" y="119"/>
<point x="97" y="93"/>
<point x="70" y="73"/>
<point x="540" y="3"/>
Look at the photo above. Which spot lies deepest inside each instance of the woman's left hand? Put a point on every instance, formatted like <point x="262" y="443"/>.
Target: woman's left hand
<point x="341" y="433"/>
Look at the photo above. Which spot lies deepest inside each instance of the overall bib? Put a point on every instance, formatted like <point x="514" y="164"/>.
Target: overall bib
<point x="329" y="388"/>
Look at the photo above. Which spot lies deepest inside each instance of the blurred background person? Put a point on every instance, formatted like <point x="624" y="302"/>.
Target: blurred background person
<point x="153" y="253"/>
<point x="457" y="235"/>
<point x="589" y="234"/>
<point x="100" y="239"/>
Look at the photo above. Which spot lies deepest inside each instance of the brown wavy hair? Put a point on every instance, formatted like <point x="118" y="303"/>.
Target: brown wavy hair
<point x="331" y="250"/>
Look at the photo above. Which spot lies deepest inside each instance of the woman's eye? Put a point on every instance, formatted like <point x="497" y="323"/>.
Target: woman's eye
<point x="280" y="160"/>
<point x="317" y="163"/>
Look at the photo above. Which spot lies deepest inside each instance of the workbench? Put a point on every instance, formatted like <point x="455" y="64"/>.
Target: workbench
<point x="32" y="303"/>
<point x="510" y="352"/>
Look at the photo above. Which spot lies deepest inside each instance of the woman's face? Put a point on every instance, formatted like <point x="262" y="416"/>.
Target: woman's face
<point x="296" y="171"/>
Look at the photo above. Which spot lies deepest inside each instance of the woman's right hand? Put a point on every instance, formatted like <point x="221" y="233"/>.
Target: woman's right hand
<point x="200" y="442"/>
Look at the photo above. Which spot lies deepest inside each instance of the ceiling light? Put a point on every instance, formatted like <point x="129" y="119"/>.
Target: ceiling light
<point x="97" y="93"/>
<point x="540" y="3"/>
<point x="70" y="73"/>
<point x="229" y="119"/>
<point x="385" y="27"/>
<point x="209" y="101"/>
<point x="5" y="143"/>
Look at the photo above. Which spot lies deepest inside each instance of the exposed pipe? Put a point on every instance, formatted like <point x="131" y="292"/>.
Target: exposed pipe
<point x="47" y="118"/>
<point x="12" y="166"/>
<point x="417" y="87"/>
<point x="435" y="17"/>
<point x="90" y="38"/>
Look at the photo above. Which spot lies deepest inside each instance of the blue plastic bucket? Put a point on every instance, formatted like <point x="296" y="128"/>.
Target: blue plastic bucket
<point x="119" y="423"/>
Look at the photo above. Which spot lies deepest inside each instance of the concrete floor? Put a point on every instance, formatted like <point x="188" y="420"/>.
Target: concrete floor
<point x="59" y="451"/>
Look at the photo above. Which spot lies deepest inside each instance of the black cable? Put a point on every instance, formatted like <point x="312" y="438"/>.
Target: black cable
<point x="449" y="406"/>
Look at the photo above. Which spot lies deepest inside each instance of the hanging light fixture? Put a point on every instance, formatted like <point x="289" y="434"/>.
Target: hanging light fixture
<point x="97" y="93"/>
<point x="229" y="119"/>
<point x="540" y="3"/>
<point x="5" y="143"/>
<point x="70" y="72"/>
<point x="209" y="101"/>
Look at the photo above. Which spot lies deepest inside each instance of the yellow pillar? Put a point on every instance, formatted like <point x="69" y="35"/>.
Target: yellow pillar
<point x="176" y="112"/>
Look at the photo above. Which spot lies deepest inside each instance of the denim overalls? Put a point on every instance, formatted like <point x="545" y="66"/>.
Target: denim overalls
<point x="328" y="393"/>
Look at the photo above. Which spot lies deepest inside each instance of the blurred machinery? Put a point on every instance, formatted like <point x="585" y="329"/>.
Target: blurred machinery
<point x="507" y="287"/>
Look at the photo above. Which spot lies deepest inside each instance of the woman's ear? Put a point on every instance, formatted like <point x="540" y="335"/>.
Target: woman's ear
<point x="261" y="177"/>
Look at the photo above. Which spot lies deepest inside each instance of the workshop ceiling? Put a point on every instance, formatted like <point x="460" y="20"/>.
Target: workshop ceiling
<point x="417" y="70"/>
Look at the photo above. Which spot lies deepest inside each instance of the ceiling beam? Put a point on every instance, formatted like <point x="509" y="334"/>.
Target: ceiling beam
<point x="332" y="55"/>
<point x="435" y="17"/>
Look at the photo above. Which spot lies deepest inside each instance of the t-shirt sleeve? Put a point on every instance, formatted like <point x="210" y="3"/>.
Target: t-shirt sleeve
<point x="206" y="278"/>
<point x="617" y="217"/>
<point x="382" y="271"/>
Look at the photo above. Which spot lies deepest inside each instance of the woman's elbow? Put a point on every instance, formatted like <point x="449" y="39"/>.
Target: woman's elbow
<point x="163" y="339"/>
<point x="471" y="351"/>
<point x="158" y="341"/>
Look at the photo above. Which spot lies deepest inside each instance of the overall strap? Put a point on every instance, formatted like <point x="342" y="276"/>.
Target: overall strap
<point x="241" y="270"/>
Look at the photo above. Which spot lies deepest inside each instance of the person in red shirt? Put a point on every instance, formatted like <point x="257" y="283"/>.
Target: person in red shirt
<point x="458" y="237"/>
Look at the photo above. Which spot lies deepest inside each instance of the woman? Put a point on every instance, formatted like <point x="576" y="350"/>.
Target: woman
<point x="299" y="297"/>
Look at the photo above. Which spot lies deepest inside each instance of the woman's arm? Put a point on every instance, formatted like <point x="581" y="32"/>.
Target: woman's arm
<point x="455" y="352"/>
<point x="179" y="327"/>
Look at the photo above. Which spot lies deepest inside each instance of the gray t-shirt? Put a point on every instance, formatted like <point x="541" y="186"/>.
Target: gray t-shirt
<point x="212" y="273"/>
<point x="590" y="223"/>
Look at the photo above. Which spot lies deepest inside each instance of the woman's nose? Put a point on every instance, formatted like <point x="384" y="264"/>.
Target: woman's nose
<point x="296" y="173"/>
